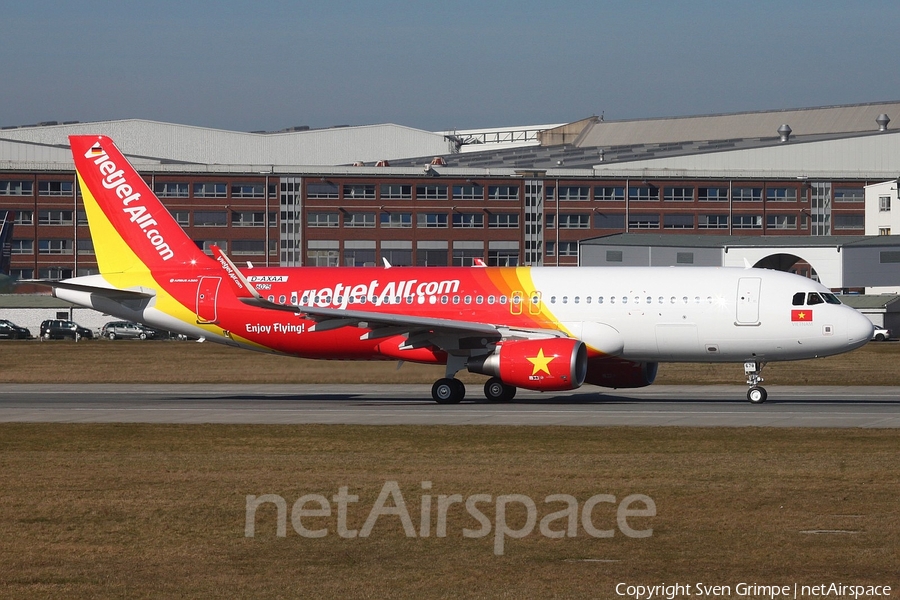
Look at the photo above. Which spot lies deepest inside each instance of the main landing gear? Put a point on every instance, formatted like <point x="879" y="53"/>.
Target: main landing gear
<point x="756" y="394"/>
<point x="450" y="390"/>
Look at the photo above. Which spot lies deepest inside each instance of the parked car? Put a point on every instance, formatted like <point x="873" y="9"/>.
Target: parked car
<point x="11" y="331"/>
<point x="127" y="330"/>
<point x="881" y="334"/>
<point x="56" y="329"/>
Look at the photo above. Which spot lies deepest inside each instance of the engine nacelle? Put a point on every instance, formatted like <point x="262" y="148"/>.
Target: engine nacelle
<point x="619" y="373"/>
<point x="552" y="364"/>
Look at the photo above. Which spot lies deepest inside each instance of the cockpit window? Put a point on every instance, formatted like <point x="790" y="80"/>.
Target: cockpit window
<point x="813" y="298"/>
<point x="799" y="297"/>
<point x="831" y="298"/>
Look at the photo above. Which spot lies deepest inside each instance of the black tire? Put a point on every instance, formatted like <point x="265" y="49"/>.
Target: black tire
<point x="880" y="337"/>
<point x="143" y="336"/>
<point x="111" y="335"/>
<point x="497" y="391"/>
<point x="447" y="391"/>
<point x="757" y="395"/>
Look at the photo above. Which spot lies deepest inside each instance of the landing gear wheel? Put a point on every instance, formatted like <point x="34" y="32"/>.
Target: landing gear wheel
<point x="497" y="391"/>
<point x="448" y="391"/>
<point x="757" y="395"/>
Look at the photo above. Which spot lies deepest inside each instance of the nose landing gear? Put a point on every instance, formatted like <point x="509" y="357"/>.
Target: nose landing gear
<point x="756" y="394"/>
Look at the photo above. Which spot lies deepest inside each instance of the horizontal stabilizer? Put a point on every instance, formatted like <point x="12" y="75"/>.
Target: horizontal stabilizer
<point x="107" y="292"/>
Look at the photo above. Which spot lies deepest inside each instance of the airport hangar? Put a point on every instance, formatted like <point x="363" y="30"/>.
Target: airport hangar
<point x="509" y="196"/>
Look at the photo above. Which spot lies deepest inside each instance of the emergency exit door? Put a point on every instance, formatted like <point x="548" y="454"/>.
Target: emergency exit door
<point x="748" y="301"/>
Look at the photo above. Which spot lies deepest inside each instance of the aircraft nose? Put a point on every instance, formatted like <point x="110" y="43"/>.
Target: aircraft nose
<point x="859" y="328"/>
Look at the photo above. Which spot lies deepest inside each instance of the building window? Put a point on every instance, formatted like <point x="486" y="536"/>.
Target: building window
<point x="712" y="222"/>
<point x="503" y="221"/>
<point x="322" y="258"/>
<point x="395" y="191"/>
<point x="323" y="219"/>
<point x="358" y="191"/>
<point x="210" y="190"/>
<point x="684" y="258"/>
<point x="570" y="193"/>
<point x="466" y="257"/>
<point x="884" y="203"/>
<point x="746" y="194"/>
<point x="574" y="221"/>
<point x="55" y="246"/>
<point x="396" y="220"/>
<point x="678" y="194"/>
<point x="468" y="220"/>
<point x="781" y="221"/>
<point x="468" y="192"/>
<point x="565" y="248"/>
<point x="22" y="247"/>
<point x="712" y="194"/>
<point x="849" y="195"/>
<point x="431" y="258"/>
<point x="678" y="221"/>
<point x="55" y="217"/>
<point x="359" y="219"/>
<point x="610" y="193"/>
<point x="248" y="190"/>
<point x="890" y="256"/>
<point x="24" y="217"/>
<point x="603" y="221"/>
<point x="614" y="256"/>
<point x="85" y="246"/>
<point x="884" y="231"/>
<point x="431" y="220"/>
<point x="503" y="258"/>
<point x="251" y="219"/>
<point x="206" y="245"/>
<point x="210" y="218"/>
<point x="781" y="194"/>
<point x="169" y="189"/>
<point x="747" y="222"/>
<point x="56" y="273"/>
<point x="503" y="192"/>
<point x="431" y="192"/>
<point x="359" y="257"/>
<point x="849" y="221"/>
<point x="397" y="257"/>
<point x="16" y="188"/>
<point x="322" y="189"/>
<point x="242" y="247"/>
<point x="55" y="188"/>
<point x="182" y="217"/>
<point x="643" y="193"/>
<point x="643" y="221"/>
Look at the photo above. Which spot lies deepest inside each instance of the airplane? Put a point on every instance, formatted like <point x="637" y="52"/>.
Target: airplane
<point x="537" y="328"/>
<point x="7" y="218"/>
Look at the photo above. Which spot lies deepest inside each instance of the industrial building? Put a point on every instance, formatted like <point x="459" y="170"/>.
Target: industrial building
<point x="508" y="196"/>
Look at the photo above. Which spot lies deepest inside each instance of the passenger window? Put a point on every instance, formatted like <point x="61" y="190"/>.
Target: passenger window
<point x="490" y="299"/>
<point x="799" y="297"/>
<point x="813" y="299"/>
<point x="479" y="299"/>
<point x="599" y="299"/>
<point x="502" y="299"/>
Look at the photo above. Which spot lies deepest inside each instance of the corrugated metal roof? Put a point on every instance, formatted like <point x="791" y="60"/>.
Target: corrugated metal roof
<point x="873" y="301"/>
<point x="855" y="118"/>
<point x="183" y="143"/>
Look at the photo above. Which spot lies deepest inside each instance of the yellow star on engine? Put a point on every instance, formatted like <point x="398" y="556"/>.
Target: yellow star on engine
<point x="540" y="362"/>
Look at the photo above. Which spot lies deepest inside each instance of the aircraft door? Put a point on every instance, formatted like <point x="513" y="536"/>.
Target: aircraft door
<point x="207" y="292"/>
<point x="748" y="301"/>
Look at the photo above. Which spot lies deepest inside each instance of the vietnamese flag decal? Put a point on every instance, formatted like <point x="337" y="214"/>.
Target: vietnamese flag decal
<point x="801" y="315"/>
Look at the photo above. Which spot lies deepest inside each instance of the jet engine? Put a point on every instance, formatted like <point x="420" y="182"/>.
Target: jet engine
<point x="619" y="373"/>
<point x="551" y="364"/>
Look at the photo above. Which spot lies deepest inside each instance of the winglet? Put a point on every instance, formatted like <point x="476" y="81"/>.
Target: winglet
<point x="477" y="262"/>
<point x="387" y="265"/>
<point x="244" y="289"/>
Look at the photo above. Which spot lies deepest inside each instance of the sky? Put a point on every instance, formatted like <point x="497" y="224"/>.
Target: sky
<point x="457" y="64"/>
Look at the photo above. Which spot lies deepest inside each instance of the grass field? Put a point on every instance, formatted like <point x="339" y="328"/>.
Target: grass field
<point x="159" y="511"/>
<point x="188" y="362"/>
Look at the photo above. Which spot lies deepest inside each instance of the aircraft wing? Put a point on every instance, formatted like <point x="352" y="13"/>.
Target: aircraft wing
<point x="380" y="325"/>
<point x="384" y="324"/>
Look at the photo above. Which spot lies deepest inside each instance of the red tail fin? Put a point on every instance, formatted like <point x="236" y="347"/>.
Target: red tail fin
<point x="130" y="227"/>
